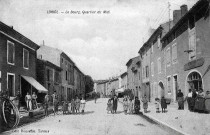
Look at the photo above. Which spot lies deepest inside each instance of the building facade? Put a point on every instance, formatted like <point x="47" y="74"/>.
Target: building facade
<point x="186" y="46"/>
<point x="179" y="53"/>
<point x="134" y="76"/>
<point x="17" y="63"/>
<point x="60" y="59"/>
<point x="49" y="75"/>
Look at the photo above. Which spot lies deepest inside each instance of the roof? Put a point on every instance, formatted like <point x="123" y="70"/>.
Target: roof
<point x="49" y="64"/>
<point x="185" y="17"/>
<point x="130" y="60"/>
<point x="123" y="74"/>
<point x="78" y="69"/>
<point x="9" y="31"/>
<point x="162" y="29"/>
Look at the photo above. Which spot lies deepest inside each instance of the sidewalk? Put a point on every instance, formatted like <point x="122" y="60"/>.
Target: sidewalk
<point x="182" y="121"/>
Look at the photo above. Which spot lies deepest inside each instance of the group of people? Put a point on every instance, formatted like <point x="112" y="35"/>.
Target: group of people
<point x="112" y="104"/>
<point x="198" y="100"/>
<point x="160" y="102"/>
<point x="74" y="107"/>
<point x="131" y="106"/>
<point x="31" y="102"/>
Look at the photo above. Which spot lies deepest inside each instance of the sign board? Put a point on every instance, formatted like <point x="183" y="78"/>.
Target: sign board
<point x="194" y="64"/>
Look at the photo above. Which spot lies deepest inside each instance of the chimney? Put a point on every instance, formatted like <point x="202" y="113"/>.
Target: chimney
<point x="184" y="10"/>
<point x="176" y="16"/>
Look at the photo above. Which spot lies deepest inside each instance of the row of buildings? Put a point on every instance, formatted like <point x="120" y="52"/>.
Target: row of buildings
<point x="28" y="67"/>
<point x="176" y="56"/>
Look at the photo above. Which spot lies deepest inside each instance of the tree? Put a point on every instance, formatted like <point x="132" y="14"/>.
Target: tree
<point x="89" y="84"/>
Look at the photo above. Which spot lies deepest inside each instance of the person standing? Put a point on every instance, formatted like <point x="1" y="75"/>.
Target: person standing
<point x="73" y="106"/>
<point x="77" y="102"/>
<point x="46" y="104"/>
<point x="55" y="102"/>
<point x="180" y="99"/>
<point x="82" y="106"/>
<point x="190" y="100"/>
<point x="125" y="105"/>
<point x="130" y="106"/>
<point x="157" y="105"/>
<point x="34" y="102"/>
<point x="163" y="104"/>
<point x="28" y="101"/>
<point x="137" y="105"/>
<point x="115" y="101"/>
<point x="145" y="103"/>
<point x="109" y="106"/>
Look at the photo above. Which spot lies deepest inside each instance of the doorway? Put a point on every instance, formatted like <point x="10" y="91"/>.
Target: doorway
<point x="161" y="89"/>
<point x="194" y="80"/>
<point x="11" y="84"/>
<point x="175" y="87"/>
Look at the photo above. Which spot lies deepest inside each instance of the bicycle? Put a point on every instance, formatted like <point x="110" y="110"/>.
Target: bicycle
<point x="9" y="111"/>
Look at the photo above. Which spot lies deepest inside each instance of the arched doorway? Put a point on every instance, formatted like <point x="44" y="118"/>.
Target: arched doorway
<point x="194" y="80"/>
<point x="160" y="90"/>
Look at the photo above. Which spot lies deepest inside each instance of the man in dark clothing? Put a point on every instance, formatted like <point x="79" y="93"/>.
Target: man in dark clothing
<point x="180" y="99"/>
<point x="115" y="101"/>
<point x="136" y="105"/>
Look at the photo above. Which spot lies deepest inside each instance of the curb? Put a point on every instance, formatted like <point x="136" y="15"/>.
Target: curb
<point x="162" y="124"/>
<point x="165" y="125"/>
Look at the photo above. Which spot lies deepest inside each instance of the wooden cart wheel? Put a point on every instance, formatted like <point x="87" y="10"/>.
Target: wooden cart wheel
<point x="10" y="114"/>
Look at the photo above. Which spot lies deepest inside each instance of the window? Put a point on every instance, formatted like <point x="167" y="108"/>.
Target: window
<point x="169" y="84"/>
<point x="159" y="42"/>
<point x="62" y="60"/>
<point x="143" y="72"/>
<point x="147" y="71"/>
<point x="159" y="65"/>
<point x="25" y="58"/>
<point x="152" y="69"/>
<point x="174" y="53"/>
<point x="192" y="44"/>
<point x="66" y="75"/>
<point x="10" y="53"/>
<point x="168" y="57"/>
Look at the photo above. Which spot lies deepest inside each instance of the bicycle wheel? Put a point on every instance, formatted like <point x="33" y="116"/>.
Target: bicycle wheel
<point x="10" y="114"/>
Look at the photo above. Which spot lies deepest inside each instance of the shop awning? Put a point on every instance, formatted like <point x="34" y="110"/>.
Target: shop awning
<point x="35" y="84"/>
<point x="120" y="90"/>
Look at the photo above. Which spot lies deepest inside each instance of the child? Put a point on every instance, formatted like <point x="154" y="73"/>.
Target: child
<point x="125" y="105"/>
<point x="130" y="106"/>
<point x="145" y="103"/>
<point x="157" y="105"/>
<point x="163" y="104"/>
<point x="65" y="107"/>
<point x="109" y="106"/>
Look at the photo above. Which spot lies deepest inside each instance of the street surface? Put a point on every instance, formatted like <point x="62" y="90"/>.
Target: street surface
<point x="95" y="121"/>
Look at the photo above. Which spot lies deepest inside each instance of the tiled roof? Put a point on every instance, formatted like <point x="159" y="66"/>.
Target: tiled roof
<point x="16" y="35"/>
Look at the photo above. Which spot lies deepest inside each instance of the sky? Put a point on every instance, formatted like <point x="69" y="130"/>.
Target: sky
<point x="99" y="43"/>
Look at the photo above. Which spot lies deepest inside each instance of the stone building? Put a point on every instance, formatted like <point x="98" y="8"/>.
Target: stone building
<point x="49" y="75"/>
<point x="178" y="58"/>
<point x="60" y="59"/>
<point x="134" y="75"/>
<point x="186" y="47"/>
<point x="18" y="64"/>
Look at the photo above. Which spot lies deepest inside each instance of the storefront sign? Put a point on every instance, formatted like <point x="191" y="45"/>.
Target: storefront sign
<point x="194" y="64"/>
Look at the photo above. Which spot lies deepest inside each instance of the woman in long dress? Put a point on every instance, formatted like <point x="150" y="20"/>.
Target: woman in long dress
<point x="145" y="103"/>
<point x="125" y="105"/>
<point x="82" y="105"/>
<point x="77" y="102"/>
